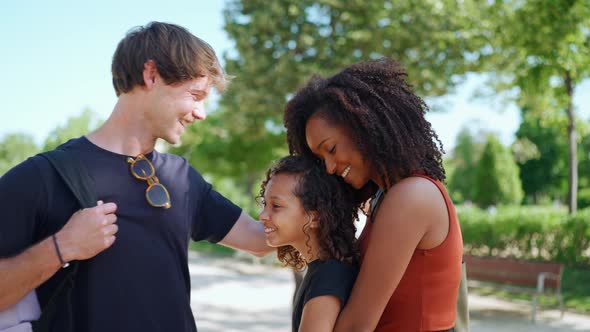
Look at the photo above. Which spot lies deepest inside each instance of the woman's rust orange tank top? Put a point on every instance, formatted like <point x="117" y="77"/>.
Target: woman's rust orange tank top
<point x="426" y="297"/>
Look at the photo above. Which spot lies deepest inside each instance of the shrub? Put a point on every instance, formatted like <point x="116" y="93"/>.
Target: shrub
<point x="531" y="233"/>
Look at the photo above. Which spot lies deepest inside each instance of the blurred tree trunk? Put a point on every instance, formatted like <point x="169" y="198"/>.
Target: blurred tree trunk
<point x="573" y="157"/>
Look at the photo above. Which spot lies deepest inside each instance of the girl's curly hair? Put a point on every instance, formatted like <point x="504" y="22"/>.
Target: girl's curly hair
<point x="330" y="199"/>
<point x="382" y="114"/>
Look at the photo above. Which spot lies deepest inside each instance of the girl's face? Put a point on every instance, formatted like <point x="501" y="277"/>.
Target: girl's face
<point x="338" y="151"/>
<point x="283" y="214"/>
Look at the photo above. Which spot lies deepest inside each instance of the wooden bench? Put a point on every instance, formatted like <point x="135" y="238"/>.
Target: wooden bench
<point x="517" y="276"/>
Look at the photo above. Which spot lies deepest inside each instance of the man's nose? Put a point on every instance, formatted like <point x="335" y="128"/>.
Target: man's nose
<point x="199" y="112"/>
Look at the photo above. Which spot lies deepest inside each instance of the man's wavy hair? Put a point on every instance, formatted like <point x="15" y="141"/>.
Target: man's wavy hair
<point x="332" y="202"/>
<point x="384" y="117"/>
<point x="179" y="56"/>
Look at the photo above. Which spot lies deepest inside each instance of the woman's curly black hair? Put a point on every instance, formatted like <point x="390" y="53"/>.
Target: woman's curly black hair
<point x="379" y="109"/>
<point x="330" y="199"/>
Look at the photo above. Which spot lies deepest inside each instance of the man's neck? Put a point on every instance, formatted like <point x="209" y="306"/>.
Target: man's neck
<point x="123" y="132"/>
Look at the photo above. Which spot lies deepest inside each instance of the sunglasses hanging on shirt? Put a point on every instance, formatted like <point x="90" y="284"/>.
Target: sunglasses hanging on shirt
<point x="156" y="194"/>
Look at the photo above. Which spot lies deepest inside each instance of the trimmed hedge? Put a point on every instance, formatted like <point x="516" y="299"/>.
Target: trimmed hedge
<point x="530" y="233"/>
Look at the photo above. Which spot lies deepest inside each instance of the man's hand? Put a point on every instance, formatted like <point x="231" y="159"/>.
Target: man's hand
<point x="88" y="232"/>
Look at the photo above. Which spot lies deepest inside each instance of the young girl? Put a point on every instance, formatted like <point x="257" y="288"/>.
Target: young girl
<point x="309" y="216"/>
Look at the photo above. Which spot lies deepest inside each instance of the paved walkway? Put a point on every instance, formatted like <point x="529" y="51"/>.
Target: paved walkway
<point x="230" y="295"/>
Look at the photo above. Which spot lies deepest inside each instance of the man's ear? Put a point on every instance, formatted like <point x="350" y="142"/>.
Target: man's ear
<point x="150" y="72"/>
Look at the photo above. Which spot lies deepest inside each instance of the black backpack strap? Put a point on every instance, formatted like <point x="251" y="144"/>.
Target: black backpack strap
<point x="76" y="177"/>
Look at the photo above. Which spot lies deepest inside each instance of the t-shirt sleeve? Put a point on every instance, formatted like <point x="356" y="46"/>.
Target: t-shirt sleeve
<point x="215" y="215"/>
<point x="332" y="278"/>
<point x="22" y="198"/>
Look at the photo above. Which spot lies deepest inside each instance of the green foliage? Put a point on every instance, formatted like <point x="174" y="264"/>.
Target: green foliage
<point x="496" y="176"/>
<point x="531" y="233"/>
<point x="576" y="288"/>
<point x="584" y="198"/>
<point x="279" y="45"/>
<point x="464" y="159"/>
<point x="573" y="240"/>
<point x="584" y="165"/>
<point x="533" y="41"/>
<point x="540" y="50"/>
<point x="545" y="175"/>
<point x="75" y="126"/>
<point x="15" y="148"/>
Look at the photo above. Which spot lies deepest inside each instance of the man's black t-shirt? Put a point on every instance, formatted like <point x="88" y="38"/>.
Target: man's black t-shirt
<point x="329" y="277"/>
<point x="142" y="282"/>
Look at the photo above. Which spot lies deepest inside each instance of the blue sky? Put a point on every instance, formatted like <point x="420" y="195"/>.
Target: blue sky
<point x="55" y="57"/>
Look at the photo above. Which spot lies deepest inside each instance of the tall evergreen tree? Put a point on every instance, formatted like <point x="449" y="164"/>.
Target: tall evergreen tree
<point x="496" y="176"/>
<point x="464" y="158"/>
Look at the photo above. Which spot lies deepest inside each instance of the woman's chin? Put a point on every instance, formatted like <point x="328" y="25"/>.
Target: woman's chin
<point x="356" y="185"/>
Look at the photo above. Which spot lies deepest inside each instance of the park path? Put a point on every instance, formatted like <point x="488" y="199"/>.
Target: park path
<point x="237" y="295"/>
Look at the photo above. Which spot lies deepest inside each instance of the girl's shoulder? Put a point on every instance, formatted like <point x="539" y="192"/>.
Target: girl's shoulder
<point x="330" y="277"/>
<point x="332" y="268"/>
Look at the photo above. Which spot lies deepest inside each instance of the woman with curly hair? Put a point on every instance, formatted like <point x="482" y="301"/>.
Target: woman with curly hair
<point x="309" y="215"/>
<point x="368" y="127"/>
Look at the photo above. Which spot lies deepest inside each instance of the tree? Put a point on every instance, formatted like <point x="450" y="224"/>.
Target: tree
<point x="584" y="194"/>
<point x="464" y="159"/>
<point x="15" y="148"/>
<point x="543" y="173"/>
<point x="541" y="48"/>
<point x="496" y="176"/>
<point x="280" y="44"/>
<point x="585" y="159"/>
<point x="75" y="126"/>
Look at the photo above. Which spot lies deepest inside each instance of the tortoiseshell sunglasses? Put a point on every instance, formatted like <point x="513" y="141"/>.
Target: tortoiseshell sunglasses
<point x="156" y="194"/>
